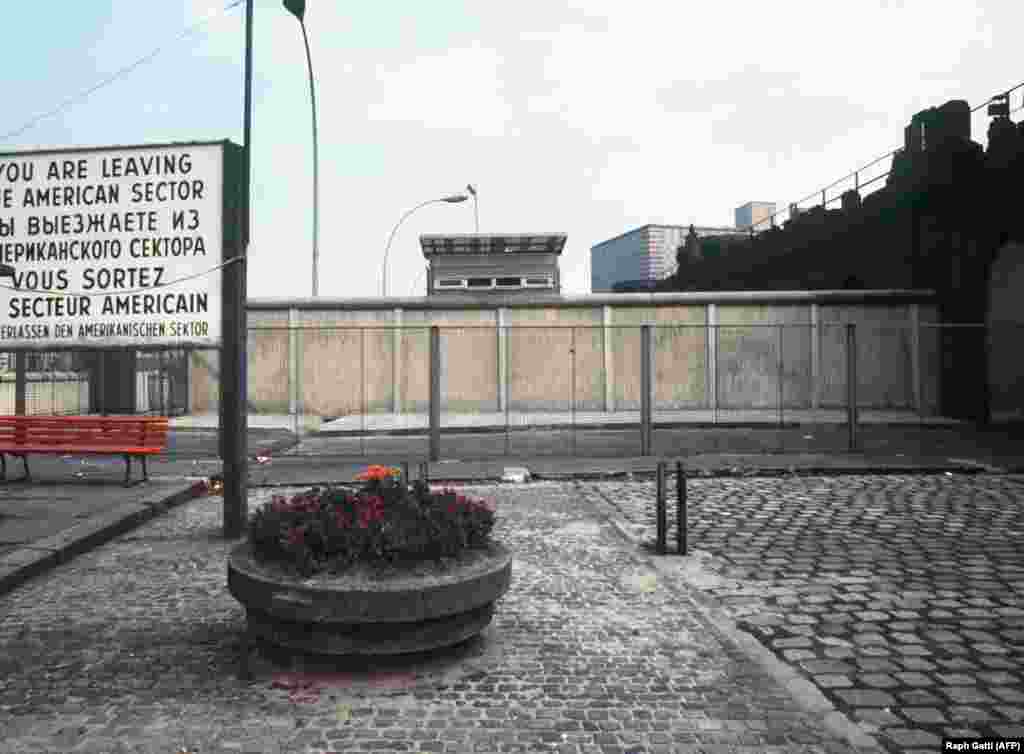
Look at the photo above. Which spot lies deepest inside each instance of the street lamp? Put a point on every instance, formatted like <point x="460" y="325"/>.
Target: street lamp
<point x="476" y="205"/>
<point x="298" y="9"/>
<point x="453" y="199"/>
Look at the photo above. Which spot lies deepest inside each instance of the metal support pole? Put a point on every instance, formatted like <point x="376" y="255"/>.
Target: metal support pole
<point x="507" y="388"/>
<point x="661" y="511"/>
<point x="851" y="383"/>
<point x="681" y="508"/>
<point x="234" y="418"/>
<point x="781" y="377"/>
<point x="425" y="472"/>
<point x="102" y="377"/>
<point x="316" y="169"/>
<point x="645" y="390"/>
<point x="435" y="393"/>
<point x="362" y="389"/>
<point x="21" y="381"/>
<point x="572" y="376"/>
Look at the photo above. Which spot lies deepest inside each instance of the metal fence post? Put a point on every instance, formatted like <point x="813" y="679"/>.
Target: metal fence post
<point x="680" y="508"/>
<point x="20" y="381"/>
<point x="572" y="376"/>
<point x="507" y="387"/>
<point x="851" y="383"/>
<point x="645" y="390"/>
<point x="362" y="389"/>
<point x="781" y="377"/>
<point x="293" y="360"/>
<point x="661" y="510"/>
<point x="435" y="393"/>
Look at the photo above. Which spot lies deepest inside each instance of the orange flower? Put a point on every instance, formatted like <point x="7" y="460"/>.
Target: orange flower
<point x="378" y="473"/>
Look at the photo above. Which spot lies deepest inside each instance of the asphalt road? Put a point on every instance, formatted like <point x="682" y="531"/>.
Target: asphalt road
<point x="997" y="446"/>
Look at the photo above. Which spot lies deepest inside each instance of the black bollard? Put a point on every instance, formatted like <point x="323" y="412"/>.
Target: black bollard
<point x="680" y="508"/>
<point x="661" y="510"/>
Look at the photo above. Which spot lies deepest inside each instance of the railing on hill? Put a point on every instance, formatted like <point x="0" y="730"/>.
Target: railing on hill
<point x="794" y="207"/>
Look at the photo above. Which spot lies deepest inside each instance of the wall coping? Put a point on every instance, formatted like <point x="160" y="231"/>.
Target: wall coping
<point x="495" y="301"/>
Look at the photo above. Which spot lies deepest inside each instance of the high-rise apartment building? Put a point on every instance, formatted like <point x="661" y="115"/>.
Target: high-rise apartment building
<point x="644" y="255"/>
<point x="752" y="213"/>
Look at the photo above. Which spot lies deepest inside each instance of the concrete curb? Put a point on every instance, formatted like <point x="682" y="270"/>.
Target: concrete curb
<point x="613" y="426"/>
<point x="18" y="566"/>
<point x="804" y="693"/>
<point x="470" y="477"/>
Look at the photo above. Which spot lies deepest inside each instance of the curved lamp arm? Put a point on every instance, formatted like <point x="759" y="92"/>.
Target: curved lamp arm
<point x="384" y="269"/>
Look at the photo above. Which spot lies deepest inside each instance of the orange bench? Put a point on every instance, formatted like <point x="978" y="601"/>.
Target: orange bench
<point x="126" y="436"/>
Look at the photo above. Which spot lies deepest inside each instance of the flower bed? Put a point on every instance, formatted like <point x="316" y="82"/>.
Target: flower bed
<point x="384" y="569"/>
<point x="386" y="522"/>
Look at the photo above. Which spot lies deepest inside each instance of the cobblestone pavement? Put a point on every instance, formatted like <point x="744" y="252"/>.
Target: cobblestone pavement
<point x="900" y="597"/>
<point x="133" y="648"/>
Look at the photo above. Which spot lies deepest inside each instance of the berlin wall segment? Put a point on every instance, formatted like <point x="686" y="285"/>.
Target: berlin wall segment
<point x="115" y="246"/>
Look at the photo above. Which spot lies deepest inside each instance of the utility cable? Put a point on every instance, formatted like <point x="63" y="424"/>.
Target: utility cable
<point x="188" y="31"/>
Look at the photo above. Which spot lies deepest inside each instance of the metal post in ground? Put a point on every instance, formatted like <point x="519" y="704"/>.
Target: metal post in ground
<point x="661" y="510"/>
<point x="507" y="384"/>
<point x="680" y="508"/>
<point x="851" y="383"/>
<point x="362" y="389"/>
<point x="645" y="390"/>
<point x="781" y="377"/>
<point x="20" y="381"/>
<point x="435" y="393"/>
<point x="424" y="472"/>
<point x="572" y="370"/>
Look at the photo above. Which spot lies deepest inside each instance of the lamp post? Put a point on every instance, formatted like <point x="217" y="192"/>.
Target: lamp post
<point x="476" y="206"/>
<point x="298" y="9"/>
<point x="453" y="199"/>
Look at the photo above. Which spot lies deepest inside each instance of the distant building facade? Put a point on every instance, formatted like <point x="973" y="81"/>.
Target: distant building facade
<point x="752" y="213"/>
<point x="487" y="264"/>
<point x="635" y="260"/>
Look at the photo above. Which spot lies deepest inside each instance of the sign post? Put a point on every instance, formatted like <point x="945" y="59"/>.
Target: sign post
<point x="234" y="409"/>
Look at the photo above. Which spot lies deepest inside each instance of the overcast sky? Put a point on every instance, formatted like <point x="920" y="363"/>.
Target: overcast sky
<point x="585" y="117"/>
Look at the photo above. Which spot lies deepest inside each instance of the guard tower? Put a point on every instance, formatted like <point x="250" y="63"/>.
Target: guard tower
<point x="488" y="264"/>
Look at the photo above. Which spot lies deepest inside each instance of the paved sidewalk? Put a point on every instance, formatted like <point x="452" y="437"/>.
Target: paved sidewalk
<point x="900" y="597"/>
<point x="394" y="423"/>
<point x="133" y="647"/>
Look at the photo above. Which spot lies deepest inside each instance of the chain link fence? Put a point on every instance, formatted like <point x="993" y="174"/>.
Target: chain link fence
<point x="527" y="391"/>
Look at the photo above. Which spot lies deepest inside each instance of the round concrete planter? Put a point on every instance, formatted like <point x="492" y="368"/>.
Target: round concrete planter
<point x="367" y="611"/>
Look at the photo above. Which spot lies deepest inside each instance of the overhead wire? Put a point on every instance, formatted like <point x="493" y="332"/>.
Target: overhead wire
<point x="121" y="72"/>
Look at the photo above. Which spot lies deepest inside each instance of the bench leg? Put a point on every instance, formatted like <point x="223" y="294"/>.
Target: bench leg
<point x="145" y="471"/>
<point x="3" y="465"/>
<point x="127" y="469"/>
<point x="28" y="474"/>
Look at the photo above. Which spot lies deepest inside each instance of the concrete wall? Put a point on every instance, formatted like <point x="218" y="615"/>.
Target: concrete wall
<point x="331" y="357"/>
